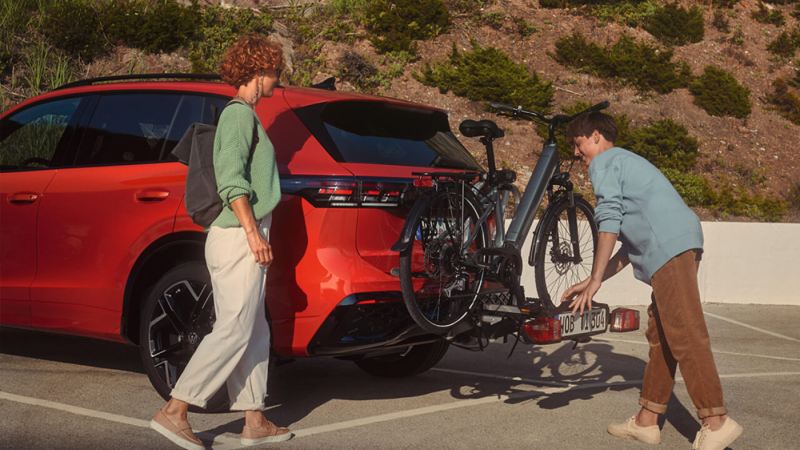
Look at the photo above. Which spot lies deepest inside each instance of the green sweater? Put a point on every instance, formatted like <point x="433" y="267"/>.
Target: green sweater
<point x="238" y="175"/>
<point x="636" y="201"/>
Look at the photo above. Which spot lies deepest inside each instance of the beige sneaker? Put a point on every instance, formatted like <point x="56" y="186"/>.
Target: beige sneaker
<point x="265" y="434"/>
<point x="180" y="434"/>
<point x="629" y="430"/>
<point x="717" y="440"/>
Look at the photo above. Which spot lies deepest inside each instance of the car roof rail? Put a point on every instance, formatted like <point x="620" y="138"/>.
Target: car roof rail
<point x="142" y="76"/>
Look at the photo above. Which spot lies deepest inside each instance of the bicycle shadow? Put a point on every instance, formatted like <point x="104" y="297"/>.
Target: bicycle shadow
<point x="584" y="372"/>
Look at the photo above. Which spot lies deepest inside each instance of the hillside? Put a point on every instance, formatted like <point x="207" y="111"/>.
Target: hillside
<point x="751" y="158"/>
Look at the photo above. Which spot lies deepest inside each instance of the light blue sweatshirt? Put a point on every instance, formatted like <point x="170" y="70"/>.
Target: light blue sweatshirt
<point x="637" y="202"/>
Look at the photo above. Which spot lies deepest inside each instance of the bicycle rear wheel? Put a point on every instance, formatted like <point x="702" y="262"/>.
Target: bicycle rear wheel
<point x="563" y="252"/>
<point x="440" y="283"/>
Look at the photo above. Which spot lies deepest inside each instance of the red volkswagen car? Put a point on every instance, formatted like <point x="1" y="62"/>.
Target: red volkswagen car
<point x="94" y="239"/>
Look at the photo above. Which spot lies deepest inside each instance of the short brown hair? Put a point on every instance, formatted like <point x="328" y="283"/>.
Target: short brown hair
<point x="586" y="124"/>
<point x="250" y="56"/>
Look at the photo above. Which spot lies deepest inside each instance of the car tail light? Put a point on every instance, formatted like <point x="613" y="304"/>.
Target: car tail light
<point x="423" y="182"/>
<point x="346" y="192"/>
<point x="624" y="319"/>
<point x="543" y="330"/>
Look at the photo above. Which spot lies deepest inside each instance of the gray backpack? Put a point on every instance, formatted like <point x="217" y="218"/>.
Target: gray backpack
<point x="196" y="149"/>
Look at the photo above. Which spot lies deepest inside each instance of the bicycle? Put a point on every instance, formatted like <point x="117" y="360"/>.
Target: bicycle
<point x="456" y="254"/>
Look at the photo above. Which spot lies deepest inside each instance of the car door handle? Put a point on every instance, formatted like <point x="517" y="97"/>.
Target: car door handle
<point x="152" y="195"/>
<point x="23" y="197"/>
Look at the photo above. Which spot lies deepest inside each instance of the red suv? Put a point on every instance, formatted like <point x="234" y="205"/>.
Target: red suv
<point x="94" y="239"/>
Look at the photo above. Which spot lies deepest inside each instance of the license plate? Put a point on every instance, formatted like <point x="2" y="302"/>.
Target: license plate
<point x="588" y="322"/>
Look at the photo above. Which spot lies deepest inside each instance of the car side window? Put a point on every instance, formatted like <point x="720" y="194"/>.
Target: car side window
<point x="191" y="109"/>
<point x="137" y="127"/>
<point x="127" y="128"/>
<point x="29" y="138"/>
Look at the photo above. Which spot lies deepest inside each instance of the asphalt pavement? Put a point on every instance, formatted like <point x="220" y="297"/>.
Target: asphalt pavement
<point x="61" y="392"/>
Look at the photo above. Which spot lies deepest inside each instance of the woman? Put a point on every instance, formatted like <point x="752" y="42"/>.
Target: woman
<point x="238" y="253"/>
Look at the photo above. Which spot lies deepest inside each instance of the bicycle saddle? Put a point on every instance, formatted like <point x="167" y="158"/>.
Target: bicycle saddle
<point x="472" y="128"/>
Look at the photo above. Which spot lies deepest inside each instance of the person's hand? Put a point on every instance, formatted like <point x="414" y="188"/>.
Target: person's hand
<point x="581" y="295"/>
<point x="261" y="249"/>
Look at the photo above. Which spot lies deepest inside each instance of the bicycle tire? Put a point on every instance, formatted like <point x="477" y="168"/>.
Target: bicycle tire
<point x="426" y="304"/>
<point x="556" y="273"/>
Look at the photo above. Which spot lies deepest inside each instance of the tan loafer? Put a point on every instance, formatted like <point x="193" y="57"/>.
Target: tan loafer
<point x="180" y="434"/>
<point x="629" y="430"/>
<point x="269" y="432"/>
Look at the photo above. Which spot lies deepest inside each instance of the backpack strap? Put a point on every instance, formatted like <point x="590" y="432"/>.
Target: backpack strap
<point x="254" y="141"/>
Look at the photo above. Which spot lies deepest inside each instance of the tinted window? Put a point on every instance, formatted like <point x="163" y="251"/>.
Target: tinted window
<point x="142" y="127"/>
<point x="380" y="133"/>
<point x="29" y="138"/>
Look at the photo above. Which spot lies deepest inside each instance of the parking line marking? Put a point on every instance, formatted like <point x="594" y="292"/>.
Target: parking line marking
<point x="736" y="322"/>
<point x="722" y="352"/>
<point x="226" y="441"/>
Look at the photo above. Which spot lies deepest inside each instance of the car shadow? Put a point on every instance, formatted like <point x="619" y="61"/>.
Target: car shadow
<point x="70" y="349"/>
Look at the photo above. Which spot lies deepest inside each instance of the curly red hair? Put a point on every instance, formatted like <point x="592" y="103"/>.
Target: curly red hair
<point x="250" y="56"/>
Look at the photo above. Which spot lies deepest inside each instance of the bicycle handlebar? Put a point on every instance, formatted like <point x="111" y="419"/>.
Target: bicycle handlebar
<point x="557" y="119"/>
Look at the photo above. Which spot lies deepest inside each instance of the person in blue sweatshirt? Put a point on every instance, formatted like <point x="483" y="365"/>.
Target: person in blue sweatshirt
<point x="663" y="241"/>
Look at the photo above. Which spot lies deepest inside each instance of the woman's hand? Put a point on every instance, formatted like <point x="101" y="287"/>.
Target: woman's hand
<point x="261" y="249"/>
<point x="582" y="294"/>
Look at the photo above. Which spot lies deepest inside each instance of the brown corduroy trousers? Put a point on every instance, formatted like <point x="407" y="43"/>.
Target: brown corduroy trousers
<point x="677" y="333"/>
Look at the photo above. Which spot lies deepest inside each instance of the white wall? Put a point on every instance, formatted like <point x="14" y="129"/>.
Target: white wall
<point x="742" y="263"/>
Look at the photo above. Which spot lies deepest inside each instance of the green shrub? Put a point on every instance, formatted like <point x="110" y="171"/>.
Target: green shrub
<point x="720" y="21"/>
<point x="14" y="18"/>
<point x="494" y="19"/>
<point x="718" y="92"/>
<point x="523" y="27"/>
<point x="665" y="143"/>
<point x="794" y="196"/>
<point x="467" y="6"/>
<point x="767" y="16"/>
<point x="784" y="45"/>
<point x="628" y="12"/>
<point x="785" y="100"/>
<point x="724" y="3"/>
<point x="355" y="69"/>
<point x="395" y="25"/>
<point x="737" y="38"/>
<point x="349" y="8"/>
<point x="554" y="3"/>
<point x="729" y="200"/>
<point x="675" y="25"/>
<point x="488" y="74"/>
<point x="795" y="82"/>
<point x="796" y="12"/>
<point x="631" y="62"/>
<point x="74" y="26"/>
<point x="695" y="189"/>
<point x="219" y="28"/>
<point x="153" y="26"/>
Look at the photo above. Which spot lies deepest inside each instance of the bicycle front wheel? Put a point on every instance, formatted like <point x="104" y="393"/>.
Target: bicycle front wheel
<point x="563" y="252"/>
<point x="439" y="278"/>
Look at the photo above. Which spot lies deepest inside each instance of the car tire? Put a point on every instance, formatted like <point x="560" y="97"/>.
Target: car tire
<point x="415" y="361"/>
<point x="176" y="315"/>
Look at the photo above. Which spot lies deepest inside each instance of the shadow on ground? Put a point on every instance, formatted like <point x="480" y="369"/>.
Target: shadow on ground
<point x="299" y="388"/>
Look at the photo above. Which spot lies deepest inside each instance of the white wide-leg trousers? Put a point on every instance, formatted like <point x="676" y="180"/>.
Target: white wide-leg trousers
<point x="236" y="352"/>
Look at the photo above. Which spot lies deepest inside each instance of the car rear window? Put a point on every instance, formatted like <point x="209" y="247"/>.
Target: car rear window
<point x="381" y="133"/>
